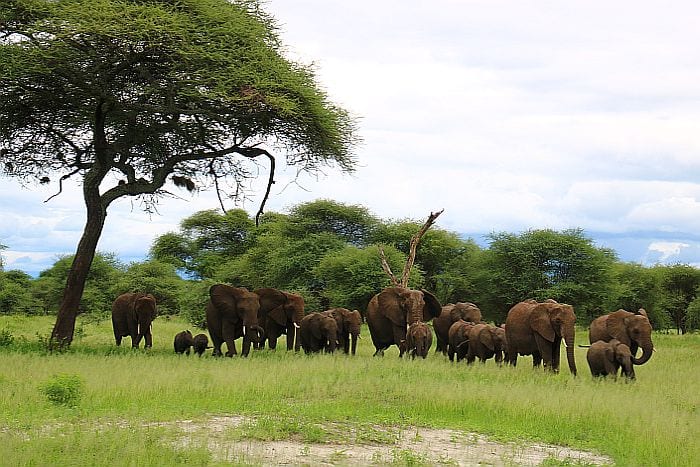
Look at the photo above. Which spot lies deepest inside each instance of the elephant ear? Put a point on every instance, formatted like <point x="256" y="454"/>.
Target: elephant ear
<point x="643" y="312"/>
<point x="270" y="299"/>
<point x="486" y="338"/>
<point x="610" y="352"/>
<point x="224" y="297"/>
<point x="432" y="307"/>
<point x="540" y="321"/>
<point x="616" y="325"/>
<point x="388" y="301"/>
<point x="278" y="315"/>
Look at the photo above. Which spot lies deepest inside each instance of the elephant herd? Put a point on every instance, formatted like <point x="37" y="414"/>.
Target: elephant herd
<point x="399" y="316"/>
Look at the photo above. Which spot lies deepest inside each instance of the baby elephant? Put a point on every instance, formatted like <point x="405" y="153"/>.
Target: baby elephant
<point x="183" y="342"/>
<point x="605" y="358"/>
<point x="419" y="338"/>
<point x="458" y="339"/>
<point x="200" y="344"/>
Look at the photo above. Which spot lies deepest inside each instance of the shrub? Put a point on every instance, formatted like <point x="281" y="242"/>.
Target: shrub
<point x="6" y="338"/>
<point x="63" y="389"/>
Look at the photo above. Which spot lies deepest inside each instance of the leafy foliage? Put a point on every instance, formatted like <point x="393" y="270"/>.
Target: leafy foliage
<point x="105" y="271"/>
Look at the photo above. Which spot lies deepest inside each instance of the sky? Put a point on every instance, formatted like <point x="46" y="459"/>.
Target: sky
<point x="508" y="115"/>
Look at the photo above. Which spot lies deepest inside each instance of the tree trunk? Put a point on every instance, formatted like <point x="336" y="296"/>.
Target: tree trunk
<point x="63" y="330"/>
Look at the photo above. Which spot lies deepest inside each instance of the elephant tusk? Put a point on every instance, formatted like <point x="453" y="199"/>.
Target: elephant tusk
<point x="565" y="346"/>
<point x="296" y="325"/>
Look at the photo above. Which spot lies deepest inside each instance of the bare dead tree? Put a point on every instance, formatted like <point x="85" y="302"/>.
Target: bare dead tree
<point x="415" y="239"/>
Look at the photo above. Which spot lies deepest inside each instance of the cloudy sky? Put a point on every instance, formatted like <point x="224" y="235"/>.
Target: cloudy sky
<point x="509" y="115"/>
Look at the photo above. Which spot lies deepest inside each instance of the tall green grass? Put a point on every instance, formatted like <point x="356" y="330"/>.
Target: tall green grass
<point x="651" y="421"/>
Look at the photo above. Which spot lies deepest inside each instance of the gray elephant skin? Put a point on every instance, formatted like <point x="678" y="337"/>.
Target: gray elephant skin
<point x="458" y="339"/>
<point x="487" y="341"/>
<point x="232" y="312"/>
<point x="319" y="332"/>
<point x="280" y="313"/>
<point x="132" y="314"/>
<point x="200" y="343"/>
<point x="537" y="329"/>
<point x="391" y="311"/>
<point x="450" y="314"/>
<point x="349" y="323"/>
<point x="183" y="342"/>
<point x="606" y="358"/>
<point x="419" y="338"/>
<point x="631" y="329"/>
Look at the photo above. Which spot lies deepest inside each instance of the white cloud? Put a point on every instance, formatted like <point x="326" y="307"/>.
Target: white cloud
<point x="667" y="249"/>
<point x="510" y="115"/>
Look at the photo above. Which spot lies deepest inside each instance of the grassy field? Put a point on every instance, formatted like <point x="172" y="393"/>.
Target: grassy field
<point x="101" y="405"/>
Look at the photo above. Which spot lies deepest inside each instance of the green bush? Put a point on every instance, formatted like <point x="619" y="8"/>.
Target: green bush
<point x="6" y="338"/>
<point x="63" y="389"/>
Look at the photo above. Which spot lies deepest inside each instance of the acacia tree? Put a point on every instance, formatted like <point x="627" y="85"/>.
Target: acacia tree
<point x="124" y="94"/>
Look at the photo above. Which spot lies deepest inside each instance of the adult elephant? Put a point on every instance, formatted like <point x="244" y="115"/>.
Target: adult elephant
<point x="279" y="313"/>
<point x="450" y="314"/>
<point x="631" y="329"/>
<point x="458" y="339"/>
<point x="132" y="314"/>
<point x="606" y="358"/>
<point x="232" y="312"/>
<point x="419" y="338"/>
<point x="390" y="312"/>
<point x="487" y="341"/>
<point x="537" y="329"/>
<point x="348" y="328"/>
<point x="319" y="331"/>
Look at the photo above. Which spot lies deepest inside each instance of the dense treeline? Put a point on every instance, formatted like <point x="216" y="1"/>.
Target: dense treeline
<point x="328" y="252"/>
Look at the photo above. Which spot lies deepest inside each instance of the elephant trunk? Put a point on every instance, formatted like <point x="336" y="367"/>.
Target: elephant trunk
<point x="628" y="369"/>
<point x="353" y="345"/>
<point x="647" y="349"/>
<point x="569" y="342"/>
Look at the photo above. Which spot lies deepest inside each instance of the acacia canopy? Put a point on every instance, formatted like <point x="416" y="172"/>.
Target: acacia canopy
<point x="124" y="94"/>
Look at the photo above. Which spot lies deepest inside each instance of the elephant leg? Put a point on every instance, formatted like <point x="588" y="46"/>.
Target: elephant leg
<point x="544" y="351"/>
<point x="536" y="359"/>
<point x="451" y="353"/>
<point x="118" y="339"/>
<point x="471" y="356"/>
<point x="556" y="354"/>
<point x="148" y="338"/>
<point x="291" y="334"/>
<point x="399" y="337"/>
<point x="135" y="341"/>
<point x="379" y="352"/>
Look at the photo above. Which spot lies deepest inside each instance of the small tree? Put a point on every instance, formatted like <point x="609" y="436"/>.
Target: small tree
<point x="126" y="94"/>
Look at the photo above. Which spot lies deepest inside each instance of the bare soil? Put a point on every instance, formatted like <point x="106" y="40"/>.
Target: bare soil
<point x="406" y="446"/>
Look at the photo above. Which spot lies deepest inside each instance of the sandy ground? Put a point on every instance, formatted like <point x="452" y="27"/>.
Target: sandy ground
<point x="408" y="446"/>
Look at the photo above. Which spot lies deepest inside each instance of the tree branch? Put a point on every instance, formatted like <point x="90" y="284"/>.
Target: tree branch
<point x="253" y="153"/>
<point x="414" y="245"/>
<point x="60" y="184"/>
<point x="386" y="268"/>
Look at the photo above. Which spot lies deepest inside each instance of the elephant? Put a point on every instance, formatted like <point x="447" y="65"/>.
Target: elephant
<point x="486" y="341"/>
<point x="319" y="332"/>
<point x="390" y="312"/>
<point x="419" y="338"/>
<point x="605" y="358"/>
<point x="458" y="339"/>
<point x="232" y="312"/>
<point x="183" y="342"/>
<point x="632" y="329"/>
<point x="537" y="329"/>
<point x="280" y="313"/>
<point x="348" y="328"/>
<point x="132" y="314"/>
<point x="450" y="314"/>
<point x="200" y="344"/>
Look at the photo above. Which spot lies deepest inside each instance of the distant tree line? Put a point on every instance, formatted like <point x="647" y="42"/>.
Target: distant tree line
<point x="328" y="252"/>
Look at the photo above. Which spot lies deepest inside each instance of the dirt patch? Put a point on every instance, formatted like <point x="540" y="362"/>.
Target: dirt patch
<point x="409" y="446"/>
